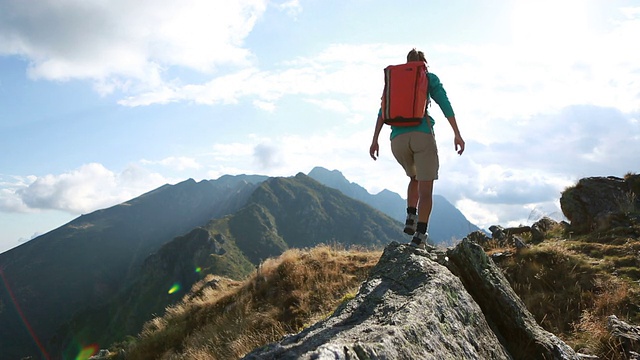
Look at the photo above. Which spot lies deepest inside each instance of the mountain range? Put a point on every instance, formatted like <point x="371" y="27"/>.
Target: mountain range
<point x="99" y="277"/>
<point x="446" y="224"/>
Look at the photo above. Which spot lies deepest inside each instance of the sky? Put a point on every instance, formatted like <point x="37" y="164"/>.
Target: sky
<point x="104" y="100"/>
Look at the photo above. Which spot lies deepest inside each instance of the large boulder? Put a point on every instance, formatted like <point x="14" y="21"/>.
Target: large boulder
<point x="540" y="228"/>
<point x="598" y="203"/>
<point x="416" y="304"/>
<point x="512" y="323"/>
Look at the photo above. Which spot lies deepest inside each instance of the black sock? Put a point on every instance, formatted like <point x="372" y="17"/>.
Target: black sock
<point x="412" y="211"/>
<point x="422" y="227"/>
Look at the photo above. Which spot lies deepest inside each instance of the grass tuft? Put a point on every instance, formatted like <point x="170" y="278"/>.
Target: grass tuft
<point x="229" y="320"/>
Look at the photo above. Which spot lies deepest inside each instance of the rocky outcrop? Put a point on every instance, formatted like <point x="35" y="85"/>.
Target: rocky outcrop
<point x="505" y="312"/>
<point x="510" y="236"/>
<point x="540" y="228"/>
<point x="626" y="337"/>
<point x="600" y="203"/>
<point x="415" y="304"/>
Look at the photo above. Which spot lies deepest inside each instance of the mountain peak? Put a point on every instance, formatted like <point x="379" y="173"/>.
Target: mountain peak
<point x="331" y="176"/>
<point x="322" y="170"/>
<point x="447" y="222"/>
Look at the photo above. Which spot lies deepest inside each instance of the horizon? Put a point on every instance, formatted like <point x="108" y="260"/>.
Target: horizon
<point x="104" y="102"/>
<point x="553" y="216"/>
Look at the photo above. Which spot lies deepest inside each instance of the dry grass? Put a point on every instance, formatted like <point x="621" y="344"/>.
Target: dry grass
<point x="555" y="301"/>
<point x="612" y="296"/>
<point x="572" y="286"/>
<point x="225" y="322"/>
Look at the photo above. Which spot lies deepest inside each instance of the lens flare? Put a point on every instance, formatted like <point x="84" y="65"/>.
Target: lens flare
<point x="16" y="304"/>
<point x="175" y="288"/>
<point x="87" y="352"/>
<point x="198" y="269"/>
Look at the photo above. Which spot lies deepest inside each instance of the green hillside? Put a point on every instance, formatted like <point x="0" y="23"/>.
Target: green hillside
<point x="281" y="214"/>
<point x="96" y="256"/>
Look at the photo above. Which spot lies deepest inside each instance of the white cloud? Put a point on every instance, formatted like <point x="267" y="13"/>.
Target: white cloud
<point x="178" y="163"/>
<point x="132" y="47"/>
<point x="528" y="165"/>
<point x="485" y="215"/>
<point x="88" y="188"/>
<point x="491" y="183"/>
<point x="487" y="84"/>
<point x="548" y="26"/>
<point x="569" y="67"/>
<point x="330" y="104"/>
<point x="118" y="40"/>
<point x="477" y="214"/>
<point x="76" y="191"/>
<point x="334" y="72"/>
<point x="631" y="12"/>
<point x="9" y="202"/>
<point x="267" y="106"/>
<point x="227" y="153"/>
<point x="291" y="7"/>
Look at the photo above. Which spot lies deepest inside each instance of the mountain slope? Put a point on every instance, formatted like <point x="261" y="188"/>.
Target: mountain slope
<point x="281" y="213"/>
<point x="74" y="271"/>
<point x="93" y="257"/>
<point x="573" y="285"/>
<point x="310" y="212"/>
<point x="447" y="223"/>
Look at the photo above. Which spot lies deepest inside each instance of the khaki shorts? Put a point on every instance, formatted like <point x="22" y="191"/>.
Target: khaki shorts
<point x="418" y="154"/>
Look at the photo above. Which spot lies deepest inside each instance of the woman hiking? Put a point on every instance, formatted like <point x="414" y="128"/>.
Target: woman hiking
<point x="414" y="147"/>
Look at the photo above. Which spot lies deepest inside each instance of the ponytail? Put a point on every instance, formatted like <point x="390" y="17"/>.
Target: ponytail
<point x="415" y="55"/>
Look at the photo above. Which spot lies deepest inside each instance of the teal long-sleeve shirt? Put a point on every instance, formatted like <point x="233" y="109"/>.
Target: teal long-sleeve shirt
<point x="437" y="93"/>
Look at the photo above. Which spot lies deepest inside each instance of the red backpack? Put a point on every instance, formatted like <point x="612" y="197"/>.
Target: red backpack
<point x="404" y="100"/>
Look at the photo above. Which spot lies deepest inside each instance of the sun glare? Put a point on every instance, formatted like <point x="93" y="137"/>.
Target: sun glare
<point x="549" y="24"/>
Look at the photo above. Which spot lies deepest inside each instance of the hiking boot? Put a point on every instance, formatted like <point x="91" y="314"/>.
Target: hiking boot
<point x="419" y="240"/>
<point x="411" y="224"/>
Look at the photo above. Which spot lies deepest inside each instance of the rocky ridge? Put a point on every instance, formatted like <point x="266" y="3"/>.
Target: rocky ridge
<point x="419" y="304"/>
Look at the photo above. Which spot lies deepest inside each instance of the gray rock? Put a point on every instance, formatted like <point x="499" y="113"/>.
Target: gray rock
<point x="508" y="236"/>
<point x="628" y="336"/>
<point x="519" y="242"/>
<point x="497" y="232"/>
<point x="595" y="201"/>
<point x="518" y="230"/>
<point x="514" y="325"/>
<point x="540" y="228"/>
<point x="478" y="237"/>
<point x="416" y="304"/>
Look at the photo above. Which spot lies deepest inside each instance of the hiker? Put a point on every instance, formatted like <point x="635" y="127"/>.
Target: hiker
<point x="414" y="147"/>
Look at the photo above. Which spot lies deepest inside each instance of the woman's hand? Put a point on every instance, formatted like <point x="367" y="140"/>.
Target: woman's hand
<point x="374" y="150"/>
<point x="459" y="144"/>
